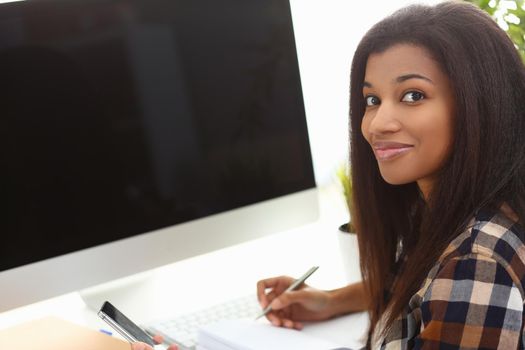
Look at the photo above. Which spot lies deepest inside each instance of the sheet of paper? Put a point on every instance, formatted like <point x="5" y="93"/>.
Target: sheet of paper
<point x="349" y="330"/>
<point x="251" y="335"/>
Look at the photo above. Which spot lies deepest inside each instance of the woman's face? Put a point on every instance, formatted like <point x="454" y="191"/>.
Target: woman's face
<point x="408" y="120"/>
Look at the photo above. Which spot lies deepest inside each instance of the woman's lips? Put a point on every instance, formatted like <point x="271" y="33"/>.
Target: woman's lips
<point x="390" y="150"/>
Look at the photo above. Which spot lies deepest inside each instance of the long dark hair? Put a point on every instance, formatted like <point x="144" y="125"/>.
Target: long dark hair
<point x="485" y="169"/>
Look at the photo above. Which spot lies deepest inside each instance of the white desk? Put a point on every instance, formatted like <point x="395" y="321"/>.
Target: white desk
<point x="217" y="276"/>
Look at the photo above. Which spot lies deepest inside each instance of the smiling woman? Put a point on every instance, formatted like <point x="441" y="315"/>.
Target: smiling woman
<point x="437" y="104"/>
<point x="408" y="118"/>
<point x="437" y="126"/>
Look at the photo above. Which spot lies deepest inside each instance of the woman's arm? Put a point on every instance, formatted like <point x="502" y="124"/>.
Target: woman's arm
<point x="351" y="298"/>
<point x="473" y="302"/>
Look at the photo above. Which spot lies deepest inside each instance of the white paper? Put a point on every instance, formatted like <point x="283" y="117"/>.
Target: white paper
<point x="350" y="330"/>
<point x="251" y="335"/>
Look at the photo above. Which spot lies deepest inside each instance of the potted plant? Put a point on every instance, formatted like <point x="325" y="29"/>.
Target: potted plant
<point x="345" y="180"/>
<point x="347" y="237"/>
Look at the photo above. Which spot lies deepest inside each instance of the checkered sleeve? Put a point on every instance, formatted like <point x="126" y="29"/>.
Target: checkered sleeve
<point x="471" y="303"/>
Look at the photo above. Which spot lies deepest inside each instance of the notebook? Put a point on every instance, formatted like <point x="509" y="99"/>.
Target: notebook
<point x="247" y="334"/>
<point x="52" y="333"/>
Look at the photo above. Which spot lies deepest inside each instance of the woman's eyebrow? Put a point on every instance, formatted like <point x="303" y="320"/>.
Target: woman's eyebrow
<point x="406" y="77"/>
<point x="403" y="78"/>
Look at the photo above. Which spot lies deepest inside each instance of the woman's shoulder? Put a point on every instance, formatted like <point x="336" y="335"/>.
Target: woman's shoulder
<point x="491" y="235"/>
<point x="495" y="232"/>
<point x="478" y="284"/>
<point x="494" y="235"/>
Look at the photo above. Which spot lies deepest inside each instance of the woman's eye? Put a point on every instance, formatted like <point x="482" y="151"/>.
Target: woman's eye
<point x="413" y="96"/>
<point x="372" y="100"/>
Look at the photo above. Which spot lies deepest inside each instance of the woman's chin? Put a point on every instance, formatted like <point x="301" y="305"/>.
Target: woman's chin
<point x="395" y="179"/>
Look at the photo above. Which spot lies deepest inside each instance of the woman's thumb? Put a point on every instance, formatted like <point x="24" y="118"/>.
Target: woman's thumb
<point x="289" y="298"/>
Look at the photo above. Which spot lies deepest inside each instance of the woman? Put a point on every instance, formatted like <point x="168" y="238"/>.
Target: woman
<point x="437" y="103"/>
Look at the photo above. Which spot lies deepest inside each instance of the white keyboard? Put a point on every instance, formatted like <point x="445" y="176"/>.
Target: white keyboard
<point x="182" y="330"/>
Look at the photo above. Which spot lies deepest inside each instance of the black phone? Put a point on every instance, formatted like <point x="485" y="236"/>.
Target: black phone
<point x="123" y="325"/>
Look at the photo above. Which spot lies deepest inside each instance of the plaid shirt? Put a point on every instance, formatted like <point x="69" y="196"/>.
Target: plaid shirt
<point x="473" y="296"/>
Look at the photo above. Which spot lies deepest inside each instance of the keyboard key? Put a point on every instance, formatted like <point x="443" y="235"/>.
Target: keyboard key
<point x="183" y="329"/>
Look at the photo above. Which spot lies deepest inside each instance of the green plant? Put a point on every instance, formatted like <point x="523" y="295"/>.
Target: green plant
<point x="510" y="15"/>
<point x="345" y="179"/>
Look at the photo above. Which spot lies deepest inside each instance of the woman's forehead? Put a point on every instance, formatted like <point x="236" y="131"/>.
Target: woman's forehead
<point x="401" y="60"/>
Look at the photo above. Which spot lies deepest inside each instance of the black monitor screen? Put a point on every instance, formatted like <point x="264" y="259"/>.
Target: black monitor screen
<point x="121" y="117"/>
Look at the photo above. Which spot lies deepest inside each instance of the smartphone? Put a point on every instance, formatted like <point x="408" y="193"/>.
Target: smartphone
<point x="123" y="325"/>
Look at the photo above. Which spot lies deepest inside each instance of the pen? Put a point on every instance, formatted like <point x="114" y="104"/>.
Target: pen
<point x="292" y="286"/>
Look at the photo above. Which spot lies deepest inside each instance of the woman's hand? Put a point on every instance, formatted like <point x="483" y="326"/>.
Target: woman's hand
<point x="158" y="339"/>
<point x="291" y="308"/>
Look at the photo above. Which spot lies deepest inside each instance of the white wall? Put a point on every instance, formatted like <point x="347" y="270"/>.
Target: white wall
<point x="327" y="33"/>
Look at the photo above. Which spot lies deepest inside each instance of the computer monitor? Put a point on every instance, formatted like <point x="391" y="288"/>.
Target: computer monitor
<point x="136" y="133"/>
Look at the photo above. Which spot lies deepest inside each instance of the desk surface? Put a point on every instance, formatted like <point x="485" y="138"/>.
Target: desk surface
<point x="214" y="277"/>
<point x="52" y="333"/>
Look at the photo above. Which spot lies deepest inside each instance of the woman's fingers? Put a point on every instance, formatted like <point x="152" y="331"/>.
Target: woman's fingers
<point x="158" y="339"/>
<point x="284" y="322"/>
<point x="265" y="284"/>
<point x="140" y="346"/>
<point x="292" y="324"/>
<point x="277" y="286"/>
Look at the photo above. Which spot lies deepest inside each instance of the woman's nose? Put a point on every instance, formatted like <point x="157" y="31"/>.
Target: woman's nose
<point x="384" y="120"/>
